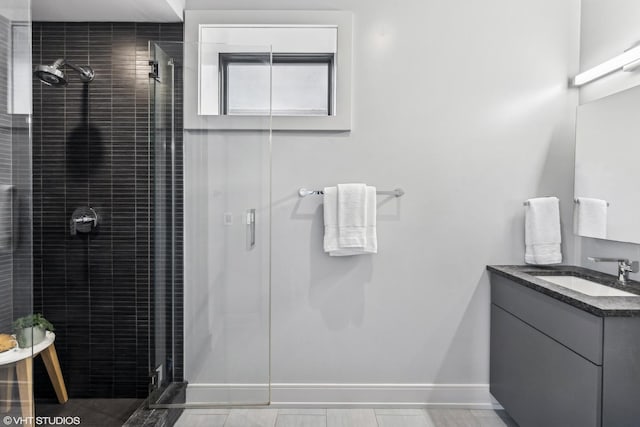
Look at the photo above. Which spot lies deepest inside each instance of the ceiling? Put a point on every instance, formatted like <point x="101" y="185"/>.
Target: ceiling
<point x="107" y="10"/>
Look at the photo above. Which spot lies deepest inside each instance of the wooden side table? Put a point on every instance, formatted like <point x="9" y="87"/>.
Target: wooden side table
<point x="22" y="360"/>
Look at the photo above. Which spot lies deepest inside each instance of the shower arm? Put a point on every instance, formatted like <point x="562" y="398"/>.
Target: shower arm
<point x="86" y="73"/>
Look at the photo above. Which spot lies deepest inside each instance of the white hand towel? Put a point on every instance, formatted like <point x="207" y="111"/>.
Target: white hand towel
<point x="370" y="239"/>
<point x="331" y="219"/>
<point x="352" y="215"/>
<point x="542" y="231"/>
<point x="591" y="217"/>
<point x="332" y="229"/>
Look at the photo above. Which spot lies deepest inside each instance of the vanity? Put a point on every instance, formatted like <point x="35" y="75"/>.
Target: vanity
<point x="565" y="350"/>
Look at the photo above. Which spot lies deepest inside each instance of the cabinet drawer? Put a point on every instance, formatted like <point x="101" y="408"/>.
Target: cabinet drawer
<point x="574" y="328"/>
<point x="539" y="381"/>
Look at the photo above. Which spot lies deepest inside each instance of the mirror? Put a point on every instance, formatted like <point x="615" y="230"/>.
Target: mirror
<point x="607" y="153"/>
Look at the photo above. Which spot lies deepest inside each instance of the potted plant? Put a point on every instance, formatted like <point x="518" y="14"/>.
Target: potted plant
<point x="30" y="330"/>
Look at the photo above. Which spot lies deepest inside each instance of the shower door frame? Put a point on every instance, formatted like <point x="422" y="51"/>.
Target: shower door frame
<point x="167" y="393"/>
<point x="161" y="370"/>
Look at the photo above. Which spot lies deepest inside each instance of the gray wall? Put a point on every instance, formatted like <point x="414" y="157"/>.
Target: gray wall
<point x="608" y="28"/>
<point x="465" y="105"/>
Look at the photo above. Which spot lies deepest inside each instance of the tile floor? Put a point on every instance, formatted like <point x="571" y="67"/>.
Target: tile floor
<point x="91" y="412"/>
<point x="344" y="418"/>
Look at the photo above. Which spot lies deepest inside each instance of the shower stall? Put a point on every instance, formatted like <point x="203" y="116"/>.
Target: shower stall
<point x="210" y="297"/>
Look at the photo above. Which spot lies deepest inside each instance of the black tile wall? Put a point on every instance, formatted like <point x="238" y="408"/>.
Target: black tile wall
<point x="91" y="148"/>
<point x="22" y="223"/>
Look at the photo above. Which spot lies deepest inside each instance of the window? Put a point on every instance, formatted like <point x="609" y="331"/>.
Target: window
<point x="302" y="84"/>
<point x="309" y="87"/>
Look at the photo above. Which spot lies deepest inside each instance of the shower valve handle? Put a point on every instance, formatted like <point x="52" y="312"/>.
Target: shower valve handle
<point x="83" y="220"/>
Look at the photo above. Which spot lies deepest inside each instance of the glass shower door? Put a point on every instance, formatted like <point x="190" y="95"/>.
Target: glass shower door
<point x="16" y="212"/>
<point x="163" y="135"/>
<point x="218" y="327"/>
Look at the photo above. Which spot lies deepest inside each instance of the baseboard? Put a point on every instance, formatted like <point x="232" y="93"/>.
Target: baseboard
<point x="470" y="396"/>
<point x="221" y="394"/>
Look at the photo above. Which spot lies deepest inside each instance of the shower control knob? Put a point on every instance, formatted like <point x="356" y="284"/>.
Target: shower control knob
<point x="83" y="220"/>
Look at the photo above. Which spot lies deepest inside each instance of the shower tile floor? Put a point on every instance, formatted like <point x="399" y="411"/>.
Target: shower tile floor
<point x="92" y="412"/>
<point x="344" y="418"/>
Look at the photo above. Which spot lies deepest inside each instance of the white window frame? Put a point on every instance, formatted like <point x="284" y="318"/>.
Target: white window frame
<point x="324" y="59"/>
<point x="197" y="20"/>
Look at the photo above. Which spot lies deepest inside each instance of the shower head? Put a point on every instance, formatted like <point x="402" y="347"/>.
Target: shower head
<point x="52" y="75"/>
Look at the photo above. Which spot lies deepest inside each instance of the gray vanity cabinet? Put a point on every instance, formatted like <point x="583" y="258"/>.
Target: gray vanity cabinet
<point x="621" y="372"/>
<point x="553" y="364"/>
<point x="536" y="377"/>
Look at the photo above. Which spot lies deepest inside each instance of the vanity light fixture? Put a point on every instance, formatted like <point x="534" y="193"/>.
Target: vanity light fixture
<point x="627" y="61"/>
<point x="631" y="66"/>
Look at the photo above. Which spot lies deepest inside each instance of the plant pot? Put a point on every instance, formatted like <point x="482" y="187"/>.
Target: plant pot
<point x="28" y="337"/>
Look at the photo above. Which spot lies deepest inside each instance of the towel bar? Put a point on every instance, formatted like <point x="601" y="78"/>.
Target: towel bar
<point x="574" y="201"/>
<point x="397" y="192"/>
<point x="578" y="201"/>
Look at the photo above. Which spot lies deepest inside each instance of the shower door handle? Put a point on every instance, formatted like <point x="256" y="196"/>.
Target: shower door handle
<point x="251" y="225"/>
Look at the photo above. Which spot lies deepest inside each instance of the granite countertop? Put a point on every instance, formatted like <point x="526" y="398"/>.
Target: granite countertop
<point x="622" y="306"/>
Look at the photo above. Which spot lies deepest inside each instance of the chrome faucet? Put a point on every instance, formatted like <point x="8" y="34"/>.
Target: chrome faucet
<point x="624" y="267"/>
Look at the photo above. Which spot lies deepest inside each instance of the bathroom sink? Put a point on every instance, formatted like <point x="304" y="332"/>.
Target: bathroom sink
<point x="586" y="286"/>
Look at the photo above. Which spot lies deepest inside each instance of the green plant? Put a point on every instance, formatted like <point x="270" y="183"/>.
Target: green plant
<point x="32" y="320"/>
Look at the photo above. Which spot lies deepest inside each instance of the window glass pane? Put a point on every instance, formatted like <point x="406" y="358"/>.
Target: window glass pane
<point x="301" y="86"/>
<point x="248" y="89"/>
<point x="301" y="89"/>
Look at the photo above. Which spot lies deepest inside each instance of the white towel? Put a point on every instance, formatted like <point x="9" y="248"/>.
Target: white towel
<point x="359" y="228"/>
<point x="352" y="215"/>
<point x="542" y="231"/>
<point x="591" y="217"/>
<point x="331" y="219"/>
